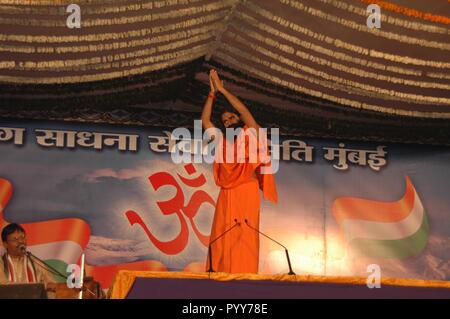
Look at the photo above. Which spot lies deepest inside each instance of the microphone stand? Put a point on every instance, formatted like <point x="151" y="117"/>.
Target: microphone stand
<point x="52" y="269"/>
<point x="46" y="266"/>
<point x="236" y="223"/>
<point x="291" y="272"/>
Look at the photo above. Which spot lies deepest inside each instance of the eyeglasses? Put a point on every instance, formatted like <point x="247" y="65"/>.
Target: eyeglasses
<point x="16" y="239"/>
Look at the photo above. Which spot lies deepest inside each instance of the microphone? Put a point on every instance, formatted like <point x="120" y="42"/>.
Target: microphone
<point x="236" y="223"/>
<point x="291" y="272"/>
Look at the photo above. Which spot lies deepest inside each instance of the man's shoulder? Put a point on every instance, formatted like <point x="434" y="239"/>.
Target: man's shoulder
<point x="3" y="278"/>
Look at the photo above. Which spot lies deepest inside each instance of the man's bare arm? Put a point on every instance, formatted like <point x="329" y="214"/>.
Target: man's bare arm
<point x="207" y="108"/>
<point x="243" y="111"/>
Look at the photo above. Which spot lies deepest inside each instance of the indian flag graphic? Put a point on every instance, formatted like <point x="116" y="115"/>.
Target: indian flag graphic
<point x="59" y="242"/>
<point x="383" y="229"/>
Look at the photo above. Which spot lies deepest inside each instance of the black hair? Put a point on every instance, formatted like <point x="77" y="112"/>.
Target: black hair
<point x="218" y="111"/>
<point x="11" y="228"/>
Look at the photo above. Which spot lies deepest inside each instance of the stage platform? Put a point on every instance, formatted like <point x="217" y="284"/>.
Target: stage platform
<point x="182" y="285"/>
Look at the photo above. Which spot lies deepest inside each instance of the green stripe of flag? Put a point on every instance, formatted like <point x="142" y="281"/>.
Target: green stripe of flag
<point x="59" y="265"/>
<point x="399" y="249"/>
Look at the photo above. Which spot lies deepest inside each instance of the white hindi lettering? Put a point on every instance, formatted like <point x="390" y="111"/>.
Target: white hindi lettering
<point x="12" y="134"/>
<point x="295" y="149"/>
<point x="88" y="139"/>
<point x="292" y="149"/>
<point x="171" y="143"/>
<point x="72" y="139"/>
<point x="374" y="158"/>
<point x="55" y="138"/>
<point x="340" y="152"/>
<point x="161" y="144"/>
<point x="125" y="142"/>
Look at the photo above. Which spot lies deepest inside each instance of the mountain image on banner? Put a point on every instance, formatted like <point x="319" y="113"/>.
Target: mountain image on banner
<point x="383" y="229"/>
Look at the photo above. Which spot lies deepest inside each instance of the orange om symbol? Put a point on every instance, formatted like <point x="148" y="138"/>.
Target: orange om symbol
<point x="176" y="206"/>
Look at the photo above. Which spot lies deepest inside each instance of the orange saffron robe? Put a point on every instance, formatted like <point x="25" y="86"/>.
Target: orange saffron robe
<point x="239" y="198"/>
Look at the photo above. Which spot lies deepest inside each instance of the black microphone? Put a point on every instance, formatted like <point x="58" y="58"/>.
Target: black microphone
<point x="291" y="272"/>
<point x="236" y="223"/>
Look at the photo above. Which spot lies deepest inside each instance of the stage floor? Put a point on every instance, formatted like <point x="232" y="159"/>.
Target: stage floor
<point x="181" y="285"/>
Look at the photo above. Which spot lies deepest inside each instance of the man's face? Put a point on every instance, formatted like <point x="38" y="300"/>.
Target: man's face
<point x="14" y="242"/>
<point x="231" y="120"/>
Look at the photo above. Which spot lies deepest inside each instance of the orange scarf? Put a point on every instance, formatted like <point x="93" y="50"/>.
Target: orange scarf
<point x="234" y="173"/>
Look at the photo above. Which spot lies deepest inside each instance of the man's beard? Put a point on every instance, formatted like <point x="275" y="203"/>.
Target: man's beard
<point x="237" y="127"/>
<point x="239" y="124"/>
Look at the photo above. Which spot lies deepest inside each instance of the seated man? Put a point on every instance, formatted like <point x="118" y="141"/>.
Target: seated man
<point x="15" y="265"/>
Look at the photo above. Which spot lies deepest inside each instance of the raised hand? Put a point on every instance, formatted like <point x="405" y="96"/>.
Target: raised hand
<point x="217" y="82"/>
<point x="207" y="108"/>
<point x="212" y="88"/>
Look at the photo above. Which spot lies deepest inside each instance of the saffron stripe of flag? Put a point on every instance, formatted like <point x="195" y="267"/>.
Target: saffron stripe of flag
<point x="362" y="209"/>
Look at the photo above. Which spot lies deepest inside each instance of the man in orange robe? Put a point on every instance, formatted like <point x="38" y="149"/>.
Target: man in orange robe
<point x="240" y="181"/>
